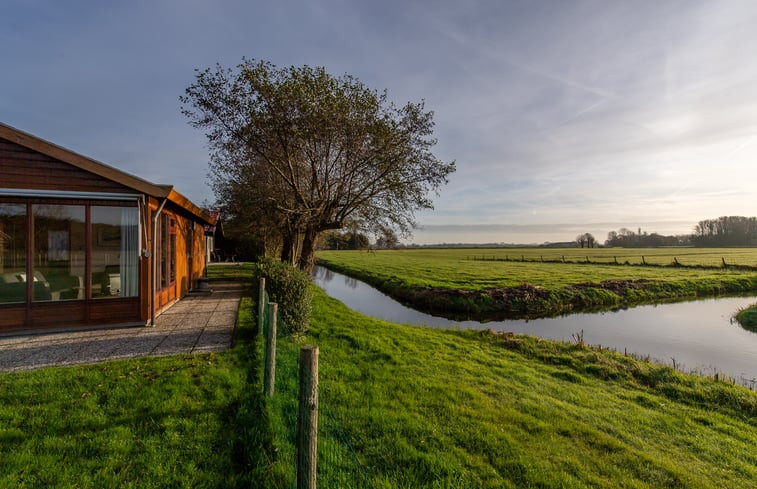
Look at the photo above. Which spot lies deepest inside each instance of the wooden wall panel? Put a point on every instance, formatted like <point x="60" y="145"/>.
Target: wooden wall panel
<point x="21" y="167"/>
<point x="58" y="314"/>
<point x="112" y="311"/>
<point x="12" y="318"/>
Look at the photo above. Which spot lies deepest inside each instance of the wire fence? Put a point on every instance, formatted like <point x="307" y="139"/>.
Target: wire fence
<point x="339" y="463"/>
<point x="636" y="260"/>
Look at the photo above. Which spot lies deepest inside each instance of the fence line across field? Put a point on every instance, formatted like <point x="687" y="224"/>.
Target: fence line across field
<point x="324" y="450"/>
<point x="639" y="260"/>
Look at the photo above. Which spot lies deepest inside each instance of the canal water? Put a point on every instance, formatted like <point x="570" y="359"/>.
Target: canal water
<point x="698" y="335"/>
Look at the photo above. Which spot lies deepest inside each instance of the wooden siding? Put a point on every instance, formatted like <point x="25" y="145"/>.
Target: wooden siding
<point x="189" y="258"/>
<point x="24" y="168"/>
<point x="62" y="314"/>
<point x="21" y="167"/>
<point x="115" y="310"/>
<point x="58" y="314"/>
<point x="12" y="318"/>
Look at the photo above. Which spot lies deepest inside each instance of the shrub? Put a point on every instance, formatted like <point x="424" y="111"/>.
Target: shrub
<point x="289" y="287"/>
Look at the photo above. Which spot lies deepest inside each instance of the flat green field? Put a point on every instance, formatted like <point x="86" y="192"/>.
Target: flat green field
<point x="425" y="277"/>
<point x="655" y="256"/>
<point x="457" y="268"/>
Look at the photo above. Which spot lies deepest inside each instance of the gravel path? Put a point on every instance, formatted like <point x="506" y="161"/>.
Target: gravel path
<point x="195" y="324"/>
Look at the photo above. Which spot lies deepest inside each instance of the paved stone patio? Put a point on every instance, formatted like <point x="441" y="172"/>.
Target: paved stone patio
<point x="195" y="324"/>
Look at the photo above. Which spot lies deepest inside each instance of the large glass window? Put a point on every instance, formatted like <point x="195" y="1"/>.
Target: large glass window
<point x="163" y="251"/>
<point x="59" y="252"/>
<point x="115" y="251"/>
<point x="167" y="251"/>
<point x="12" y="253"/>
<point x="172" y="251"/>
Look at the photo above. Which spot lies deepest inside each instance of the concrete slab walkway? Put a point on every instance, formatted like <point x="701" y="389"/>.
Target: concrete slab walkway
<point x="195" y="324"/>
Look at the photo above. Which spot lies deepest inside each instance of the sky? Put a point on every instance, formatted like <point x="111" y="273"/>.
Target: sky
<point x="563" y="117"/>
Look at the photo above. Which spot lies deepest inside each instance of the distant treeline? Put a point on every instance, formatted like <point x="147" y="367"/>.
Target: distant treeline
<point x="721" y="232"/>
<point x="726" y="231"/>
<point x="710" y="233"/>
<point x="628" y="239"/>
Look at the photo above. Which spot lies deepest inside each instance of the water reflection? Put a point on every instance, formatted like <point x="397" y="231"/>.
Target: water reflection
<point x="698" y="336"/>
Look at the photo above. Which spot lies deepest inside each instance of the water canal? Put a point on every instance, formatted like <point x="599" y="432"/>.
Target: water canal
<point x="698" y="335"/>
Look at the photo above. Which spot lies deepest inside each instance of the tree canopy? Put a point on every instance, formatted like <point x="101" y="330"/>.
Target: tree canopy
<point x="298" y="151"/>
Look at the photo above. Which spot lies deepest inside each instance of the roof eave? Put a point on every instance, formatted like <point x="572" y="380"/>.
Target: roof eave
<point x="88" y="164"/>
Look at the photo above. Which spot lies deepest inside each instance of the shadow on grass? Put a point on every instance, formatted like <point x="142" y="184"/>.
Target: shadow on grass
<point x="178" y="421"/>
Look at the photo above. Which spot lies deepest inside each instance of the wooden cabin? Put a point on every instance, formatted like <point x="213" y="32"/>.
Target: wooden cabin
<point x="83" y="244"/>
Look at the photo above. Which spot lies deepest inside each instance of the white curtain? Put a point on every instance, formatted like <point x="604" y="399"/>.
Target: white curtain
<point x="129" y="251"/>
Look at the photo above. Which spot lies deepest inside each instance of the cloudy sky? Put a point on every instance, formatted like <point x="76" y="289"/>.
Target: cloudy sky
<point x="563" y="116"/>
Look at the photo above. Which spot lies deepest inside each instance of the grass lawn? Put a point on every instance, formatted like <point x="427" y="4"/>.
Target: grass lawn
<point x="400" y="406"/>
<point x="237" y="272"/>
<point x="404" y="406"/>
<point x="179" y="421"/>
<point x="425" y="279"/>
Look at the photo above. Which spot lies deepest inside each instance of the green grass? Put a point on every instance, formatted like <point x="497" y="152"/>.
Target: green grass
<point x="194" y="421"/>
<point x="238" y="272"/>
<point x="400" y="406"/>
<point x="450" y="281"/>
<point x="747" y="317"/>
<point x="413" y="407"/>
<point x="686" y="256"/>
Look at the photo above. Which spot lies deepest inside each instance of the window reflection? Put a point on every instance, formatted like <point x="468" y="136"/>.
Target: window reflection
<point x="115" y="251"/>
<point x="59" y="252"/>
<point x="12" y="253"/>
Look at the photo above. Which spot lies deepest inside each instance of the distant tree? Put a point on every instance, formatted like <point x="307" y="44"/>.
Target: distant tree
<point x="350" y="240"/>
<point x="387" y="239"/>
<point x="315" y="150"/>
<point x="726" y="231"/>
<point x="612" y="238"/>
<point x="626" y="238"/>
<point x="586" y="240"/>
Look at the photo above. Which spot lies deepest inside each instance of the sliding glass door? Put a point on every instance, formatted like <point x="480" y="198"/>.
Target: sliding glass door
<point x="76" y="252"/>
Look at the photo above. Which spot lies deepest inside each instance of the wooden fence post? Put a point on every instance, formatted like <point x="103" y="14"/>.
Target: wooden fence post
<point x="270" y="351"/>
<point x="261" y="306"/>
<point x="307" y="418"/>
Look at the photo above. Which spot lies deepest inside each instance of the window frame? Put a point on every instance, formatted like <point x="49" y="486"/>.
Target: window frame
<point x="30" y="201"/>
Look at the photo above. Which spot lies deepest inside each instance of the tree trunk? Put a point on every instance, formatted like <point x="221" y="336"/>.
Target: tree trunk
<point x="307" y="256"/>
<point x="287" y="248"/>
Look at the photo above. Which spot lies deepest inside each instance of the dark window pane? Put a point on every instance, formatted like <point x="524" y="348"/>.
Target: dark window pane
<point x="163" y="251"/>
<point x="12" y="253"/>
<point x="172" y="251"/>
<point x="59" y="247"/>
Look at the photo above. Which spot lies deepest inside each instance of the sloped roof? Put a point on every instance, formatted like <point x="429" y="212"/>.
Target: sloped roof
<point x="106" y="171"/>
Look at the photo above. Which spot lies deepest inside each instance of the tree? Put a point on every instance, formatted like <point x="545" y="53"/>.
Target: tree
<point x="317" y="150"/>
<point x="386" y="239"/>
<point x="586" y="239"/>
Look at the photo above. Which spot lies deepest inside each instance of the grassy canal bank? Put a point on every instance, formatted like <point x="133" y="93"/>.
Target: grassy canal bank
<point x="452" y="283"/>
<point x="418" y="407"/>
<point x="400" y="406"/>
